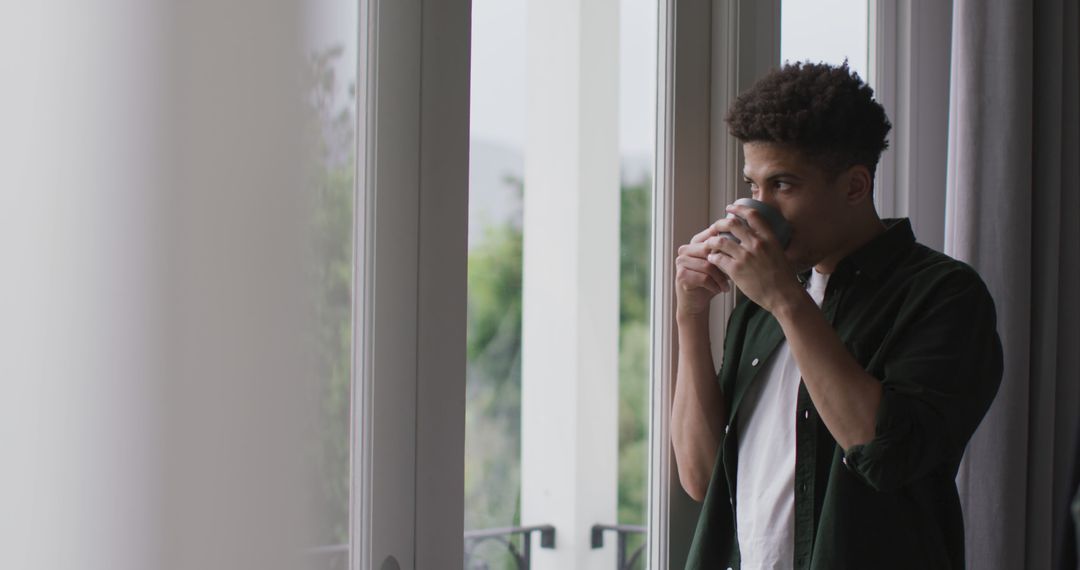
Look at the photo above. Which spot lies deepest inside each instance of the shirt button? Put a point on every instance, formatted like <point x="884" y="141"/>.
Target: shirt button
<point x="755" y="362"/>
<point x="727" y="428"/>
<point x="806" y="414"/>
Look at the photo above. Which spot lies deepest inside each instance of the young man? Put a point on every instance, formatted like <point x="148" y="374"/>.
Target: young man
<point x="855" y="369"/>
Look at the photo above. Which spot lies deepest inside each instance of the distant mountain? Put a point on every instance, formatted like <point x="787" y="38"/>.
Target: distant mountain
<point x="635" y="168"/>
<point x="494" y="172"/>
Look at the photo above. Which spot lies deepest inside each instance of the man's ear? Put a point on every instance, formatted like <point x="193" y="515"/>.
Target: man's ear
<point x="860" y="184"/>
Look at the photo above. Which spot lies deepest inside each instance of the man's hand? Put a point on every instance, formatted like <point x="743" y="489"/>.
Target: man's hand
<point x="697" y="280"/>
<point x="698" y="411"/>
<point x="757" y="265"/>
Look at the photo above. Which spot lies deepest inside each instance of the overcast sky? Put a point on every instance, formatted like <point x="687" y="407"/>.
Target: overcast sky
<point x="334" y="23"/>
<point x="819" y="30"/>
<point x="498" y="73"/>
<point x="825" y="30"/>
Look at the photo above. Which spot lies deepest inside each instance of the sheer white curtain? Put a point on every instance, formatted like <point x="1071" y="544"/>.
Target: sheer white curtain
<point x="1013" y="206"/>
<point x="152" y="402"/>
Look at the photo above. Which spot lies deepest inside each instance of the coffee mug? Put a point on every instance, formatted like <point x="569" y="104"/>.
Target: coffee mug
<point x="779" y="225"/>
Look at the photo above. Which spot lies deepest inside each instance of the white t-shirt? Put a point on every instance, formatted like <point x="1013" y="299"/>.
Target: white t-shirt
<point x="765" y="488"/>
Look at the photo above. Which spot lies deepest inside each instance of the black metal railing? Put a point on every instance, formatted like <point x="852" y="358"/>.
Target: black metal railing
<point x="522" y="557"/>
<point x="335" y="557"/>
<point x="622" y="533"/>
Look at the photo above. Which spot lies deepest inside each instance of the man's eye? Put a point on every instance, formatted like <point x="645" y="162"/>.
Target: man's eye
<point x="783" y="186"/>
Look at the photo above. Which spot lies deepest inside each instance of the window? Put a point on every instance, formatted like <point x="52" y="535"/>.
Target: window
<point x="331" y="41"/>
<point x="409" y="309"/>
<point x="561" y="160"/>
<point x="415" y="307"/>
<point x="825" y="31"/>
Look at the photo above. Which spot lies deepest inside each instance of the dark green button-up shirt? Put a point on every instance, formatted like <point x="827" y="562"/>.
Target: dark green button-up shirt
<point x="924" y="325"/>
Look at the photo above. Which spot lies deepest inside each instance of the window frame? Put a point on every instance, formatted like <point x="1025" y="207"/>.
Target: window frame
<point x="410" y="248"/>
<point x="709" y="52"/>
<point x="909" y="60"/>
<point x="409" y="376"/>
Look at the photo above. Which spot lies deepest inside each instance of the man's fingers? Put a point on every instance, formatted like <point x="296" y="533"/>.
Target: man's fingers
<point x="700" y="249"/>
<point x="702" y="265"/>
<point x="724" y="248"/>
<point x="703" y="235"/>
<point x="733" y="226"/>
<point x="690" y="278"/>
<point x="757" y="223"/>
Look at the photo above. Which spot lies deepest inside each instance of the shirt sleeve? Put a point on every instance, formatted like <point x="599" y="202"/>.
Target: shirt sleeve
<point x="939" y="379"/>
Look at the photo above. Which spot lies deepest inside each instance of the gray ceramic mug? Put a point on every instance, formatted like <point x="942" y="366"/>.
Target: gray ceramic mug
<point x="779" y="225"/>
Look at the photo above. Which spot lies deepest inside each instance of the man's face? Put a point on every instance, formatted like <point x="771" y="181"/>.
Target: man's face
<point x="809" y="200"/>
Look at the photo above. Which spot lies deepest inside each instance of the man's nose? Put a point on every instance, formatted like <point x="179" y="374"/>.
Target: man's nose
<point x="769" y="199"/>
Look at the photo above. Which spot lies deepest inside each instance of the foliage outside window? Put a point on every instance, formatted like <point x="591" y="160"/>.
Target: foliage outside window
<point x="330" y="138"/>
<point x="493" y="417"/>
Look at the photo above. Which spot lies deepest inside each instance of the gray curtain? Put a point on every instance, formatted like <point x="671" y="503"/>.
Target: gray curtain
<point x="1013" y="212"/>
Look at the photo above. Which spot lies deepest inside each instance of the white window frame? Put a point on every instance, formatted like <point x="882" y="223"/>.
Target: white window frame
<point x="410" y="284"/>
<point x="909" y="60"/>
<point x="412" y="255"/>
<point x="709" y="52"/>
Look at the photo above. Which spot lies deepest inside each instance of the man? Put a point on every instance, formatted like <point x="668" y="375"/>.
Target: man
<point x="855" y="369"/>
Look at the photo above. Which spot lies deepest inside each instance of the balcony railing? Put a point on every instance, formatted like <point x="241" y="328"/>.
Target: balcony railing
<point x="504" y="536"/>
<point x="336" y="557"/>
<point x="622" y="533"/>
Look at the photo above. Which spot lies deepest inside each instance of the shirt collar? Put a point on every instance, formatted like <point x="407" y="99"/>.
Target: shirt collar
<point x="880" y="253"/>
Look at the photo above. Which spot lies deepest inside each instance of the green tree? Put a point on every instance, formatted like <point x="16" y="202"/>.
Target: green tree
<point x="493" y="386"/>
<point x="493" y="417"/>
<point x="635" y="278"/>
<point x="331" y="161"/>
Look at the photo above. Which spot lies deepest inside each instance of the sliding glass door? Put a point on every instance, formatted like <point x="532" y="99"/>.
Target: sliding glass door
<point x="561" y="151"/>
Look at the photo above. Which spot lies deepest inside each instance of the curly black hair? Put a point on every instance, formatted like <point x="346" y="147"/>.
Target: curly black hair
<point x="826" y="112"/>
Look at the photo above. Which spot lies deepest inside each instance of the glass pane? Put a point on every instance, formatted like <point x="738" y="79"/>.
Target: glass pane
<point x="507" y="37"/>
<point x="496" y="183"/>
<point x="330" y="84"/>
<point x="825" y="31"/>
<point x="637" y="123"/>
